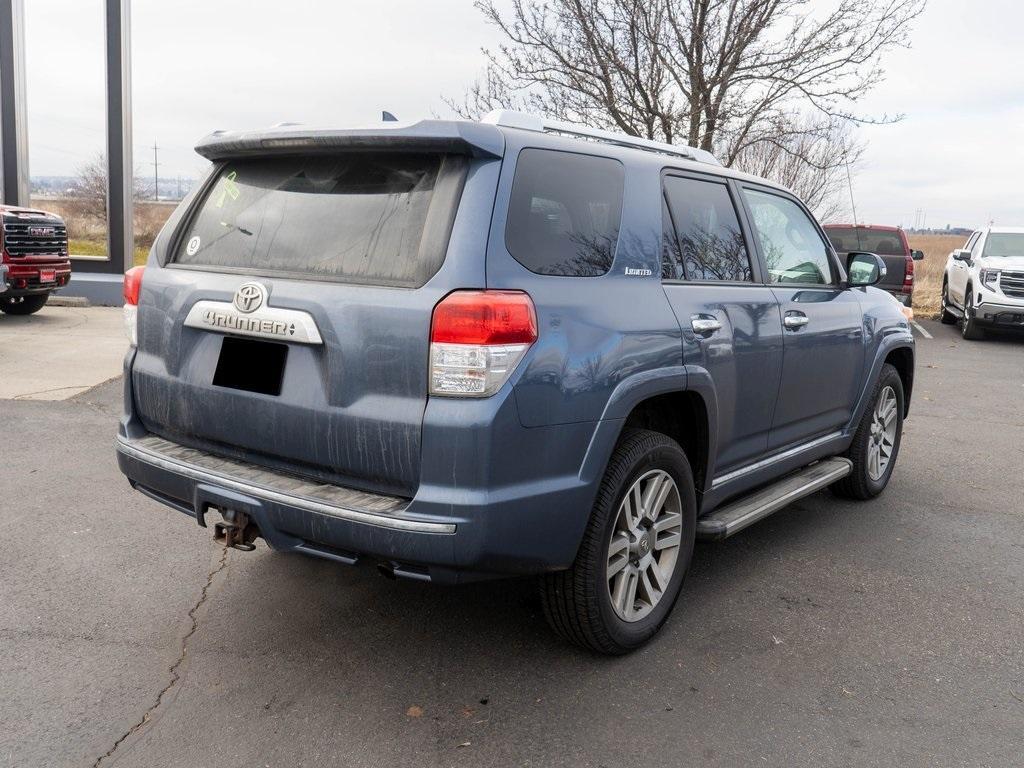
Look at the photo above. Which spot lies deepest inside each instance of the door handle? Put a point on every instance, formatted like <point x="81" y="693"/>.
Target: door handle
<point x="794" y="320"/>
<point x="703" y="325"/>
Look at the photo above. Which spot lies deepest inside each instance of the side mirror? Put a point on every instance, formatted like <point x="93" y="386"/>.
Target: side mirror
<point x="865" y="269"/>
<point x="962" y="254"/>
<point x="917" y="255"/>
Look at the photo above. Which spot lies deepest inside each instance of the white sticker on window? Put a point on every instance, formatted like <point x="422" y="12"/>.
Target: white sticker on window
<point x="193" y="245"/>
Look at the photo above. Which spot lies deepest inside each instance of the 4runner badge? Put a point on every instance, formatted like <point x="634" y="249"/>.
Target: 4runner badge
<point x="247" y="314"/>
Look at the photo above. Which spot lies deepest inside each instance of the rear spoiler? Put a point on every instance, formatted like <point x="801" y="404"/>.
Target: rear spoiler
<point x="446" y="136"/>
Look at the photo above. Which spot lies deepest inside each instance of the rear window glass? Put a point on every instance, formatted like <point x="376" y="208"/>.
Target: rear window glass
<point x="564" y="215"/>
<point x="369" y="218"/>
<point x="884" y="242"/>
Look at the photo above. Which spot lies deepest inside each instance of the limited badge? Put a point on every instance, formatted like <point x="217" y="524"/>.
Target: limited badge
<point x="193" y="245"/>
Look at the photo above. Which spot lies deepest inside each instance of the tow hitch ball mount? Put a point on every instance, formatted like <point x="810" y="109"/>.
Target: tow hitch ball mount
<point x="236" y="530"/>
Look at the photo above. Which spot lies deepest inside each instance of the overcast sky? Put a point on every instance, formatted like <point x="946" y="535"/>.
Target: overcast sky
<point x="200" y="65"/>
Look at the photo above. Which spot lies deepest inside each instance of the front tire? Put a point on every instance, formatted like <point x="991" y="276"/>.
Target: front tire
<point x="635" y="552"/>
<point x="969" y="327"/>
<point x="27" y="305"/>
<point x="876" y="444"/>
<point x="945" y="316"/>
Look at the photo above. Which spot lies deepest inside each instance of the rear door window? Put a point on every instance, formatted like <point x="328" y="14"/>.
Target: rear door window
<point x="703" y="240"/>
<point x="565" y="211"/>
<point x="369" y="217"/>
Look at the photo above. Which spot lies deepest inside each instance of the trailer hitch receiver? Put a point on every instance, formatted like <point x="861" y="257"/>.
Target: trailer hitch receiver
<point x="236" y="530"/>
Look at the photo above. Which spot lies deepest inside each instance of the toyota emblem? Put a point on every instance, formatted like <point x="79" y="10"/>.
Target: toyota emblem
<point x="250" y="297"/>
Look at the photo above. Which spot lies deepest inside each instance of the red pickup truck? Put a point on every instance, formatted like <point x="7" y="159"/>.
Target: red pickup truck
<point x="888" y="242"/>
<point x="33" y="258"/>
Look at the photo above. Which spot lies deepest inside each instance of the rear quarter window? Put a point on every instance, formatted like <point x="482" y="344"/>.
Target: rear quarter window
<point x="565" y="212"/>
<point x="359" y="217"/>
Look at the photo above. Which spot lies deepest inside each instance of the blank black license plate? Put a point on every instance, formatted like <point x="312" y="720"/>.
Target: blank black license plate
<point x="253" y="366"/>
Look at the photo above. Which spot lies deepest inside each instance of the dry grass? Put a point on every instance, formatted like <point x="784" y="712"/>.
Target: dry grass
<point x="928" y="273"/>
<point x="88" y="234"/>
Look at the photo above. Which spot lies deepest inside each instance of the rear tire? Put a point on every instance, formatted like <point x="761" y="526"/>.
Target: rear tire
<point x="27" y="305"/>
<point x="876" y="444"/>
<point x="643" y="564"/>
<point x="969" y="327"/>
<point x="945" y="316"/>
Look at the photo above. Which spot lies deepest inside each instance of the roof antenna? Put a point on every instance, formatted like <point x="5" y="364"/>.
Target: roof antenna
<point x="387" y="117"/>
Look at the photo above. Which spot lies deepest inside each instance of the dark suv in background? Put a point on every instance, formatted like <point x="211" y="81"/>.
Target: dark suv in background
<point x="888" y="242"/>
<point x="34" y="262"/>
<point x="461" y="350"/>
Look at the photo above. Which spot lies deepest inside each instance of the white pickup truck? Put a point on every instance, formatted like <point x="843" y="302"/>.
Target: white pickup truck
<point x="983" y="286"/>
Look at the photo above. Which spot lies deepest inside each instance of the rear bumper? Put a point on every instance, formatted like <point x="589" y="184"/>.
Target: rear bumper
<point x="494" y="498"/>
<point x="463" y="537"/>
<point x="906" y="299"/>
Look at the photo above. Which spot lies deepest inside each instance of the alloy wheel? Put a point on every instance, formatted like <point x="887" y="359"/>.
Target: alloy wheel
<point x="644" y="546"/>
<point x="965" y="322"/>
<point x="882" y="439"/>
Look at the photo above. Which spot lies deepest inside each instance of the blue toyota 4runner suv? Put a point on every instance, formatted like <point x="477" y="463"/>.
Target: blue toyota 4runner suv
<point x="466" y="349"/>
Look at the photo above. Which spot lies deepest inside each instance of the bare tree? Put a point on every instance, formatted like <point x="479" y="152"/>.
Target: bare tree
<point x="748" y="80"/>
<point x="91" y="188"/>
<point x="810" y="158"/>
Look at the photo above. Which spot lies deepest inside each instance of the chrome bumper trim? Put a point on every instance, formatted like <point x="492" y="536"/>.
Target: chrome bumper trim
<point x="353" y="515"/>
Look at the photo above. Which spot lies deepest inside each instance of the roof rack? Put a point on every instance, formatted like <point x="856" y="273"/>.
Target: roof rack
<point x="527" y="122"/>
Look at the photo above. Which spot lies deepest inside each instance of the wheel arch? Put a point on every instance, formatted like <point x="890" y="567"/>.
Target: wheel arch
<point x="902" y="359"/>
<point x="682" y="416"/>
<point x="678" y="401"/>
<point x="892" y="344"/>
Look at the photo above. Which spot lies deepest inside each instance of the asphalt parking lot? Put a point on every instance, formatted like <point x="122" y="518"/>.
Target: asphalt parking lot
<point x="833" y="633"/>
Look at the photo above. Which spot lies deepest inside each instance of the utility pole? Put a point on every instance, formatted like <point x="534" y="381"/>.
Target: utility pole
<point x="156" y="174"/>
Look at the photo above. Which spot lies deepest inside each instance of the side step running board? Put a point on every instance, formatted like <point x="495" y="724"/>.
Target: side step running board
<point x="727" y="520"/>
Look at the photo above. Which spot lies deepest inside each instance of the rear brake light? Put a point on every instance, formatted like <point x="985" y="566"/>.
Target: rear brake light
<point x="132" y="286"/>
<point x="908" y="275"/>
<point x="477" y="338"/>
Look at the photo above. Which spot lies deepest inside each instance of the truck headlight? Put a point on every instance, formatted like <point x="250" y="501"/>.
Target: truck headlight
<point x="989" y="278"/>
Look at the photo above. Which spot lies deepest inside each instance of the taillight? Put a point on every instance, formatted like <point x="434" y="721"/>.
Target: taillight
<point x="477" y="338"/>
<point x="908" y="275"/>
<point x="132" y="286"/>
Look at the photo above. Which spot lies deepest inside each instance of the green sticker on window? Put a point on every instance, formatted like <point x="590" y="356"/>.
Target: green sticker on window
<point x="228" y="188"/>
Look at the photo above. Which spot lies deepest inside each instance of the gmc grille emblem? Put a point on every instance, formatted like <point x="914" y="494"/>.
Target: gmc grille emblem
<point x="41" y="231"/>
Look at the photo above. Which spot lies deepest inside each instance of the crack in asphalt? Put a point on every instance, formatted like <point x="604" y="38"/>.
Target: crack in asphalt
<point x="27" y="395"/>
<point x="175" y="676"/>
